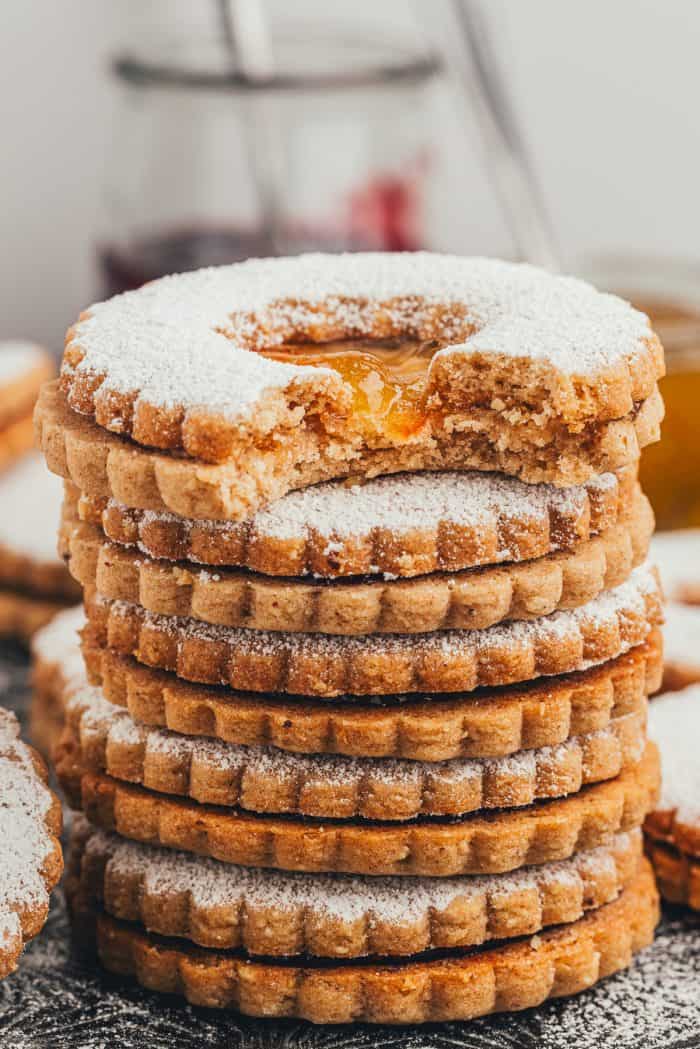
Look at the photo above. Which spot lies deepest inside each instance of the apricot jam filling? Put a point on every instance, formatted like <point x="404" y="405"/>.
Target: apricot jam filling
<point x="387" y="377"/>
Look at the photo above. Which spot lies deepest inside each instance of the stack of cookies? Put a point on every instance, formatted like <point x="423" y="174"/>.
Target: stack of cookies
<point x="369" y="634"/>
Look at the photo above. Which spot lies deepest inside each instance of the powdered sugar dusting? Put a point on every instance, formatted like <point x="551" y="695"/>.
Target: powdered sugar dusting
<point x="611" y="607"/>
<point x="413" y="501"/>
<point x="24" y="839"/>
<point x="674" y="723"/>
<point x="18" y="357"/>
<point x="102" y="723"/>
<point x="58" y="643"/>
<point x="399" y="504"/>
<point x="163" y="341"/>
<point x="213" y="884"/>
<point x="31" y="499"/>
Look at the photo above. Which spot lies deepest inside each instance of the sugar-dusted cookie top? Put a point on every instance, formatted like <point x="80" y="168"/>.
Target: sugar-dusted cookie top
<point x="30" y="856"/>
<point x="406" y="525"/>
<point x="103" y="737"/>
<point x="296" y="349"/>
<point x="331" y="665"/>
<point x="279" y="913"/>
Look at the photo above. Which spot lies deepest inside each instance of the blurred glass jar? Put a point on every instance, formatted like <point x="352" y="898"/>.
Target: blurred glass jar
<point x="334" y="152"/>
<point x="670" y="294"/>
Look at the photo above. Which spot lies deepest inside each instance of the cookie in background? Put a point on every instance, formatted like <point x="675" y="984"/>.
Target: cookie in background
<point x="34" y="583"/>
<point x="672" y="830"/>
<point x="24" y="366"/>
<point x="677" y="555"/>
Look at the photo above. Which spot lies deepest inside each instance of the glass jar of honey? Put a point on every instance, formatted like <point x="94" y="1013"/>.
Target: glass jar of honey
<point x="670" y="294"/>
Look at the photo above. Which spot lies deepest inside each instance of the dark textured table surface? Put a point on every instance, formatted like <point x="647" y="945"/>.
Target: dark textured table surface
<point x="55" y="1001"/>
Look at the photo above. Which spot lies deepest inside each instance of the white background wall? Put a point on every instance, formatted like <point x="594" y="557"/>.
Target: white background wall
<point x="607" y="91"/>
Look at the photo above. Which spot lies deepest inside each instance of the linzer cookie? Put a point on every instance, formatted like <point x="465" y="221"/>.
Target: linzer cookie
<point x="486" y="723"/>
<point x="31" y="498"/>
<point x="459" y="985"/>
<point x="335" y="916"/>
<point x="34" y="584"/>
<point x="675" y="822"/>
<point x="677" y="555"/>
<point x="488" y="365"/>
<point x="108" y="467"/>
<point x="489" y="843"/>
<point x="16" y="439"/>
<point x="102" y="737"/>
<point x="323" y="665"/>
<point x="673" y="830"/>
<point x="401" y="526"/>
<point x="24" y="366"/>
<point x="30" y="853"/>
<point x="57" y="665"/>
<point x="677" y="873"/>
<point x="22" y="615"/>
<point x="681" y="646"/>
<point x="472" y="599"/>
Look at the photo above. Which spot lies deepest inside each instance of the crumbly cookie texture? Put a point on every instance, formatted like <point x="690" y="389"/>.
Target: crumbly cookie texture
<point x="479" y="844"/>
<point x="459" y="986"/>
<point x="174" y="364"/>
<point x="336" y="916"/>
<point x="488" y="723"/>
<point x="401" y="526"/>
<point x="677" y="873"/>
<point x="473" y="599"/>
<point x="325" y="665"/>
<point x="24" y="366"/>
<point x="30" y="853"/>
<point x="28" y="558"/>
<point x="681" y="646"/>
<point x="109" y="467"/>
<point x="674" y="723"/>
<point x="22" y="615"/>
<point x="102" y="737"/>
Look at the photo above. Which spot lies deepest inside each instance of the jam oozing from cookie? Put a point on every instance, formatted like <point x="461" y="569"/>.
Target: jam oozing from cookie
<point x="387" y="377"/>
